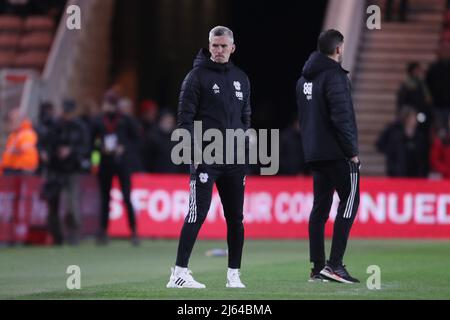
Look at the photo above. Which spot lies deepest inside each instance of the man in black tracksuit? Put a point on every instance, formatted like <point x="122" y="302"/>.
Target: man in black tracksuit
<point x="115" y="133"/>
<point x="330" y="142"/>
<point x="217" y="93"/>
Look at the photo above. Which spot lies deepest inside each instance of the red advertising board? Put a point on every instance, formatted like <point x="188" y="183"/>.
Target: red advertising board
<point x="277" y="207"/>
<point x="274" y="207"/>
<point x="20" y="207"/>
<point x="23" y="214"/>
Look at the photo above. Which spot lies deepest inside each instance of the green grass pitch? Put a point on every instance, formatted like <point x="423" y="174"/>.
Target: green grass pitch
<point x="410" y="269"/>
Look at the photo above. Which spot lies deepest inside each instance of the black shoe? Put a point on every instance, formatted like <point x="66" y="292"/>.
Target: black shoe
<point x="102" y="239"/>
<point x="339" y="274"/>
<point x="73" y="240"/>
<point x="135" y="242"/>
<point x="315" y="276"/>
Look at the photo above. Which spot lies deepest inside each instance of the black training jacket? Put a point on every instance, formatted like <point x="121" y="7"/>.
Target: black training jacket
<point x="326" y="114"/>
<point x="216" y="94"/>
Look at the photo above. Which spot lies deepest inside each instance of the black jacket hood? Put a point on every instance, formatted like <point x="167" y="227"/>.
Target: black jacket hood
<point x="203" y="60"/>
<point x="318" y="63"/>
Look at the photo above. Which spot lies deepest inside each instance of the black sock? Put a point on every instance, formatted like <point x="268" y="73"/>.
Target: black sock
<point x="318" y="266"/>
<point x="334" y="264"/>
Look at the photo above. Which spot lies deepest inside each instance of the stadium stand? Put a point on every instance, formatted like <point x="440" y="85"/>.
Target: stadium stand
<point x="445" y="40"/>
<point x="380" y="68"/>
<point x="25" y="42"/>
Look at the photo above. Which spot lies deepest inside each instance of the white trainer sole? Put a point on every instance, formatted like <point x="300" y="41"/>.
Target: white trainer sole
<point x="172" y="285"/>
<point x="334" y="277"/>
<point x="236" y="287"/>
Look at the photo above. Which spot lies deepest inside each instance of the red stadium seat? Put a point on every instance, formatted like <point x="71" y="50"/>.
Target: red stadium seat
<point x="31" y="59"/>
<point x="446" y="35"/>
<point x="6" y="59"/>
<point x="39" y="23"/>
<point x="36" y="40"/>
<point x="10" y="23"/>
<point x="9" y="41"/>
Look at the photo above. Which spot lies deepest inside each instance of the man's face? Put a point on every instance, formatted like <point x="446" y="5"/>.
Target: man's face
<point x="69" y="115"/>
<point x="411" y="121"/>
<point x="417" y="72"/>
<point x="109" y="107"/>
<point x="221" y="49"/>
<point x="167" y="123"/>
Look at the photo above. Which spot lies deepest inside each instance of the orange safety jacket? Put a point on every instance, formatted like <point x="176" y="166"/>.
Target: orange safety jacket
<point x="21" y="149"/>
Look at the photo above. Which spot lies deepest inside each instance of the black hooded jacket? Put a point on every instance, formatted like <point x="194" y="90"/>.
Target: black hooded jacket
<point x="327" y="118"/>
<point x="216" y="94"/>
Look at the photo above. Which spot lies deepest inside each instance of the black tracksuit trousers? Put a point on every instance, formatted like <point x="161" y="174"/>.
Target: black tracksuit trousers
<point x="328" y="176"/>
<point x="110" y="167"/>
<point x="230" y="183"/>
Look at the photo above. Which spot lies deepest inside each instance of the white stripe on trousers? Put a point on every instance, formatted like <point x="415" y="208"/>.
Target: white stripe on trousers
<point x="193" y="203"/>
<point x="351" y="198"/>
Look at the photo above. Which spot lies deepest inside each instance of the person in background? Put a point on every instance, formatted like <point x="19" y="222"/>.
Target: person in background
<point x="126" y="107"/>
<point x="89" y="111"/>
<point x="149" y="113"/>
<point x="162" y="145"/>
<point x="404" y="146"/>
<point x="115" y="133"/>
<point x="45" y="126"/>
<point x="292" y="160"/>
<point x="438" y="82"/>
<point x="414" y="92"/>
<point x="20" y="155"/>
<point x="67" y="158"/>
<point x="402" y="10"/>
<point x="440" y="151"/>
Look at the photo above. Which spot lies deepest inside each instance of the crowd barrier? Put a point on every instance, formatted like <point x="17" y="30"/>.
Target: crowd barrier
<point x="274" y="207"/>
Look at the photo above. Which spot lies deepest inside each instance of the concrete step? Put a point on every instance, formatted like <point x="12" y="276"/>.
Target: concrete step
<point x="381" y="35"/>
<point x="366" y="84"/>
<point x="375" y="98"/>
<point x="399" y="45"/>
<point x="386" y="67"/>
<point x="435" y="17"/>
<point x="374" y="107"/>
<point x="382" y="118"/>
<point x="367" y="148"/>
<point x="373" y="170"/>
<point x="369" y="139"/>
<point x="399" y="57"/>
<point x="376" y="87"/>
<point x="372" y="127"/>
<point x="394" y="78"/>
<point x="373" y="160"/>
<point x="415" y="27"/>
<point x="414" y="6"/>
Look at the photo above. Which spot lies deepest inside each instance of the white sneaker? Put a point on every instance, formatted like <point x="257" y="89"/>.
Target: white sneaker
<point x="183" y="279"/>
<point x="233" y="279"/>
